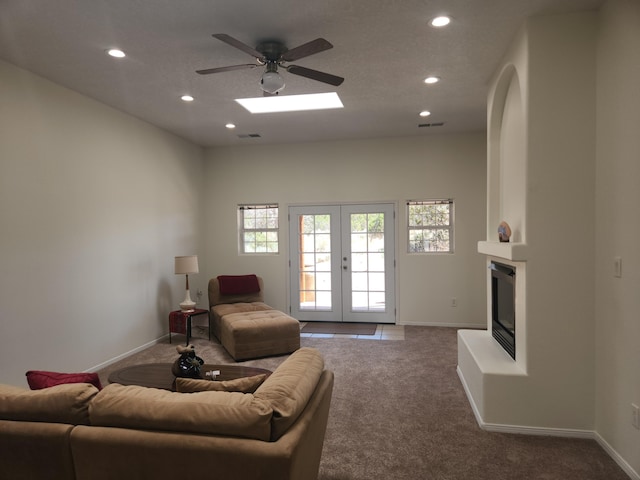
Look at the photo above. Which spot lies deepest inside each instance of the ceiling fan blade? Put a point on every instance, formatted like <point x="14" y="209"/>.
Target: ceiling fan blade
<point x="314" y="46"/>
<point x="230" y="68"/>
<point x="239" y="45"/>
<point x="315" y="75"/>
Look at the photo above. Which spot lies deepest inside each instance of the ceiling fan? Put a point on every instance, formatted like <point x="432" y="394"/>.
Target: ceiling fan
<point x="273" y="54"/>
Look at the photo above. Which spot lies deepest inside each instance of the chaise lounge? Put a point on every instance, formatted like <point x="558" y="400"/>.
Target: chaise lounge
<point x="245" y="325"/>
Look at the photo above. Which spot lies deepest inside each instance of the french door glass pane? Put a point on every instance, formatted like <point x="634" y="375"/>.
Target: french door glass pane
<point x="367" y="262"/>
<point x="314" y="249"/>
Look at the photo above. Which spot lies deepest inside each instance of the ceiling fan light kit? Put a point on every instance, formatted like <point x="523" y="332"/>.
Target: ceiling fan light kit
<point x="274" y="54"/>
<point x="271" y="82"/>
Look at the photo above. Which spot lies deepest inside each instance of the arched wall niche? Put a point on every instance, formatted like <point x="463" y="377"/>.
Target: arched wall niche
<point x="506" y="182"/>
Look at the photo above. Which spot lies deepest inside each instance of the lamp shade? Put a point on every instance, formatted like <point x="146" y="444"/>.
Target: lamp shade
<point x="186" y="265"/>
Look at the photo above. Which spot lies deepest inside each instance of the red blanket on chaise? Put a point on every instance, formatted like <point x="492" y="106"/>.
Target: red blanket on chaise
<point x="238" y="284"/>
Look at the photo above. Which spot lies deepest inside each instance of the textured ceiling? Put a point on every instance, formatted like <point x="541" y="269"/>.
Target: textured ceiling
<point x="383" y="48"/>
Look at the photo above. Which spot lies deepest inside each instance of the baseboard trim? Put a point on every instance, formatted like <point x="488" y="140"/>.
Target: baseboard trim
<point x="126" y="354"/>
<point x="472" y="326"/>
<point x="539" y="431"/>
<point x="622" y="463"/>
<point x="474" y="407"/>
<point x="552" y="432"/>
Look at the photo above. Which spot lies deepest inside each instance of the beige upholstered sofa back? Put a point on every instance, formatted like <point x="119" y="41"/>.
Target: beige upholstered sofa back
<point x="124" y="440"/>
<point x="216" y="298"/>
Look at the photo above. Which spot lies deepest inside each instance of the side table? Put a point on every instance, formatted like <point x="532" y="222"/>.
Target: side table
<point x="180" y="322"/>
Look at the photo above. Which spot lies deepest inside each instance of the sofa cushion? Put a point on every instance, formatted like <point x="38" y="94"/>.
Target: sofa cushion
<point x="66" y="403"/>
<point x="217" y="413"/>
<point x="243" y="385"/>
<point x="259" y="334"/>
<point x="38" y="379"/>
<point x="289" y="388"/>
<point x="223" y="309"/>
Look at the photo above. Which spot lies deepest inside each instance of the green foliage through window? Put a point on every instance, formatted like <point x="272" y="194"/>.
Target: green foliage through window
<point x="258" y="228"/>
<point x="430" y="225"/>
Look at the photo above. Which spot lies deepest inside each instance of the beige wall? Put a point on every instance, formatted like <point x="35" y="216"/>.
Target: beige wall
<point x="618" y="228"/>
<point x="94" y="205"/>
<point x="382" y="170"/>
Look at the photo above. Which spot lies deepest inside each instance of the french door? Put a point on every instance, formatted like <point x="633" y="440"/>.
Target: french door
<point x="342" y="263"/>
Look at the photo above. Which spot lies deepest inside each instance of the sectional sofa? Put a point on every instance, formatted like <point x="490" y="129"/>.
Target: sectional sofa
<point x="75" y="431"/>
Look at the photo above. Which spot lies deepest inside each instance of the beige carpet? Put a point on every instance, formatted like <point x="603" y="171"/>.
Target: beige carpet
<point x="399" y="412"/>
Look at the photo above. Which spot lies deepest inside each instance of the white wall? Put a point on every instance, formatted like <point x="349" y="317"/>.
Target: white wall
<point x="560" y="218"/>
<point x="382" y="170"/>
<point x="553" y="198"/>
<point x="94" y="205"/>
<point x="618" y="227"/>
<point x="582" y="196"/>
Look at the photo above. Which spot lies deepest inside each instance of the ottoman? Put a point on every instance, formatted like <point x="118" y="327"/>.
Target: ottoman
<point x="256" y="334"/>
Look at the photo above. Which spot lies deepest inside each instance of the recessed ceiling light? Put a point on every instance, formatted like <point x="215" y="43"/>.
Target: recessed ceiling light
<point x="441" y="21"/>
<point x="187" y="98"/>
<point x="431" y="80"/>
<point x="291" y="103"/>
<point x="425" y="113"/>
<point x="114" y="52"/>
<point x="230" y="126"/>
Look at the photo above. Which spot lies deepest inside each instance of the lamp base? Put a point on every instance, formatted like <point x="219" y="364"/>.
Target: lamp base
<point x="187" y="305"/>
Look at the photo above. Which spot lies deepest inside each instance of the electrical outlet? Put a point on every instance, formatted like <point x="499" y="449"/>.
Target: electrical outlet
<point x="617" y="267"/>
<point x="454" y="302"/>
<point x="636" y="416"/>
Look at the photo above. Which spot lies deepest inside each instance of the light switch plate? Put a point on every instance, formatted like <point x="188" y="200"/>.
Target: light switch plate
<point x="617" y="267"/>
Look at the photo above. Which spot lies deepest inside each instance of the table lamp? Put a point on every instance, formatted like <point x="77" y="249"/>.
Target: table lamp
<point x="184" y="266"/>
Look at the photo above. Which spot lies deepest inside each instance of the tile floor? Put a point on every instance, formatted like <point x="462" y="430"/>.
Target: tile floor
<point x="383" y="332"/>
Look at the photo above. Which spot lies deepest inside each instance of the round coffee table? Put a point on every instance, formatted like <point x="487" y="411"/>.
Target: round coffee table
<point x="158" y="375"/>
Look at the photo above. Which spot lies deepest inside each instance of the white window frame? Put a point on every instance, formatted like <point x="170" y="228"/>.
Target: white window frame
<point x="430" y="227"/>
<point x="270" y="227"/>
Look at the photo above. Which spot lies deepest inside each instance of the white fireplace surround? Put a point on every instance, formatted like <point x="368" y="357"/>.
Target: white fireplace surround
<point x="532" y="160"/>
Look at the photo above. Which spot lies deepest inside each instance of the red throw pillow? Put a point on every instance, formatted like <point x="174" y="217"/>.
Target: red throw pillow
<point x="238" y="284"/>
<point x="38" y="379"/>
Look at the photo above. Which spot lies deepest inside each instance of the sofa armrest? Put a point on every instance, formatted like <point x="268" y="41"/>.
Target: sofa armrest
<point x="35" y="450"/>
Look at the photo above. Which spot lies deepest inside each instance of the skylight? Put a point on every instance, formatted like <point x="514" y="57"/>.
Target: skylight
<point x="291" y="103"/>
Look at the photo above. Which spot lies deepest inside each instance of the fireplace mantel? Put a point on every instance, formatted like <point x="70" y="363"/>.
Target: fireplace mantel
<point x="516" y="252"/>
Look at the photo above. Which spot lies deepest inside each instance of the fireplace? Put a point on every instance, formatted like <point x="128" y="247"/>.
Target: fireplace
<point x="503" y="306"/>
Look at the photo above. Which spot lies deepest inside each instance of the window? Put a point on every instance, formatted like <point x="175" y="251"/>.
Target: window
<point x="258" y="228"/>
<point x="430" y="225"/>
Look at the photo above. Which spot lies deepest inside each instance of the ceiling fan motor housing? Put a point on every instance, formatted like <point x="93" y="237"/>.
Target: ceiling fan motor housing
<point x="271" y="50"/>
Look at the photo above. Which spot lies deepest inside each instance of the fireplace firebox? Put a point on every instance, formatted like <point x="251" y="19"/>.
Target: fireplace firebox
<point x="503" y="306"/>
